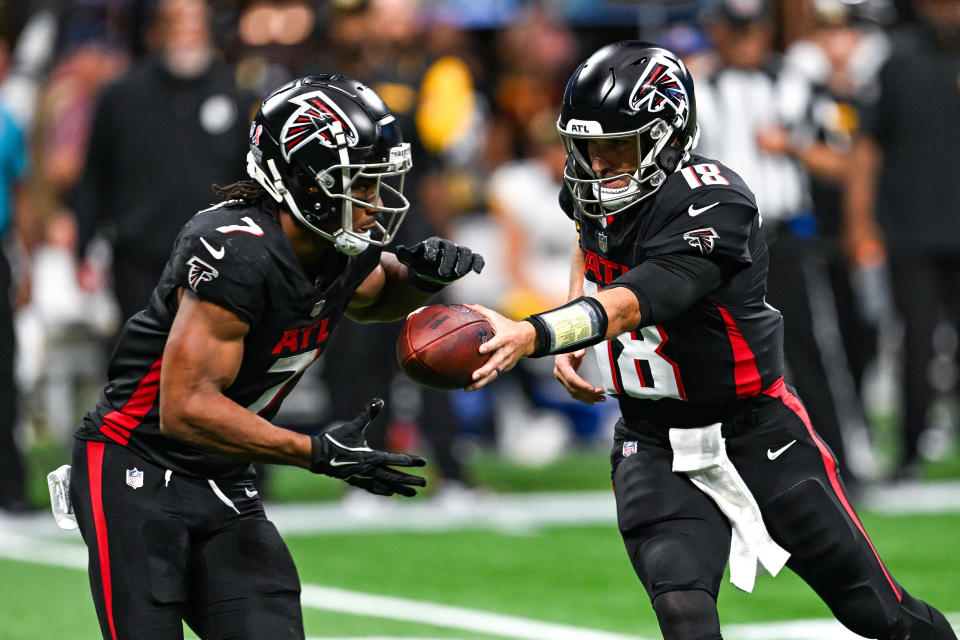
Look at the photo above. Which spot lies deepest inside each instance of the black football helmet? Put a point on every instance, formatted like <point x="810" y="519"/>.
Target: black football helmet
<point x="313" y="140"/>
<point x="627" y="89"/>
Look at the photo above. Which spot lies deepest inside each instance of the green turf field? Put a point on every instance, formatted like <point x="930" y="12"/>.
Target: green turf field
<point x="570" y="575"/>
<point x="551" y="581"/>
<point x="573" y="576"/>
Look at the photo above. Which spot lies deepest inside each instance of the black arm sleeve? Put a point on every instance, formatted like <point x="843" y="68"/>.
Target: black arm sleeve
<point x="668" y="285"/>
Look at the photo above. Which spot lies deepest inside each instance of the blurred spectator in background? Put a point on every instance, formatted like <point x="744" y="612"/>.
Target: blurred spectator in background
<point x="905" y="172"/>
<point x="63" y="119"/>
<point x="60" y="331"/>
<point x="536" y="250"/>
<point x="691" y="44"/>
<point x="536" y="52"/>
<point x="755" y="115"/>
<point x="28" y="61"/>
<point x="13" y="167"/>
<point x="841" y="57"/>
<point x="274" y="38"/>
<point x="171" y="126"/>
<point x="460" y="144"/>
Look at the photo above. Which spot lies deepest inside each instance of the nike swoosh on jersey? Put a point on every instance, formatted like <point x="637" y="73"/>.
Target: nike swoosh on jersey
<point x="694" y="211"/>
<point x="251" y="493"/>
<point x="773" y="455"/>
<point x="216" y="253"/>
<point x="336" y="463"/>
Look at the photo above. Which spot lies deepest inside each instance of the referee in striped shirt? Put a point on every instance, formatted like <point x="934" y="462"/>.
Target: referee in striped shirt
<point x="755" y="116"/>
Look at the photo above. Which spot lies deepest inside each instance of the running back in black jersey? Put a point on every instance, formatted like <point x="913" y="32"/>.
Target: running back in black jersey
<point x="685" y="370"/>
<point x="239" y="258"/>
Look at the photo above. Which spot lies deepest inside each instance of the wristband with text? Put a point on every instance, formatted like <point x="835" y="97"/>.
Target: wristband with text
<point x="579" y="323"/>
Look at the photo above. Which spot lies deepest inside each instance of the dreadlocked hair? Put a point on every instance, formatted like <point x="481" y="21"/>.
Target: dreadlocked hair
<point x="249" y="192"/>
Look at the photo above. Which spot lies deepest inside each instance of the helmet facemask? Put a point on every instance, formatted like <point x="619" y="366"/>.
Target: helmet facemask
<point x="597" y="201"/>
<point x="384" y="181"/>
<point x="318" y="197"/>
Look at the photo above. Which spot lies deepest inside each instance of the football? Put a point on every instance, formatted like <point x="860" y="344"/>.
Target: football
<point x="438" y="345"/>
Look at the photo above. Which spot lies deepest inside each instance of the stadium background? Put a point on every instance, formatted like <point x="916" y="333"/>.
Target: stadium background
<point x="518" y="540"/>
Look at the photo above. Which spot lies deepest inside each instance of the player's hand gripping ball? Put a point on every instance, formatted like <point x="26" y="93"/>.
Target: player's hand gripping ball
<point x="438" y="345"/>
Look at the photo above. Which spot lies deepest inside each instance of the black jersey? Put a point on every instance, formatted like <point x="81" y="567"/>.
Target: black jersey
<point x="239" y="258"/>
<point x="697" y="366"/>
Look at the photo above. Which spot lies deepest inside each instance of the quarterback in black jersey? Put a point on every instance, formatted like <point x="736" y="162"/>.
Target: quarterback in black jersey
<point x="714" y="459"/>
<point x="162" y="485"/>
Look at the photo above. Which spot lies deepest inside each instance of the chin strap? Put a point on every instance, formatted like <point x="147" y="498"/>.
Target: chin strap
<point x="348" y="244"/>
<point x="346" y="240"/>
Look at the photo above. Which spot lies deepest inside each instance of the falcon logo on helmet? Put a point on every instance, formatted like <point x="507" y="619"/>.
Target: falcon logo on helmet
<point x="316" y="119"/>
<point x="657" y="87"/>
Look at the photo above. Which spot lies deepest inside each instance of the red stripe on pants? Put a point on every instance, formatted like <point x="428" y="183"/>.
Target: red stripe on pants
<point x="95" y="466"/>
<point x="779" y="390"/>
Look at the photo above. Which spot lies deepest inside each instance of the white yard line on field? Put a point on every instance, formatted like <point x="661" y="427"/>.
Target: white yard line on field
<point x="793" y="630"/>
<point x="70" y="555"/>
<point x="451" y="617"/>
<point x="28" y="548"/>
<point x="17" y="546"/>
<point x="511" y="513"/>
<point x="515" y="513"/>
<point x="800" y="630"/>
<point x="942" y="496"/>
<point x="526" y="512"/>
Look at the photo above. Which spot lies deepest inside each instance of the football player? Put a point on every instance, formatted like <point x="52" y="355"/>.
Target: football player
<point x="714" y="458"/>
<point x="162" y="484"/>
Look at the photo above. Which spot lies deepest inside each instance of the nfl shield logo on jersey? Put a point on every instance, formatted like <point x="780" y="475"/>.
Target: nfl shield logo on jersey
<point x="602" y="240"/>
<point x="629" y="448"/>
<point x="134" y="478"/>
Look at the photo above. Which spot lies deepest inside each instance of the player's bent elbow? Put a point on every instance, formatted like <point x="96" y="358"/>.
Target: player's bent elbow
<point x="622" y="308"/>
<point x="170" y="425"/>
<point x="175" y="420"/>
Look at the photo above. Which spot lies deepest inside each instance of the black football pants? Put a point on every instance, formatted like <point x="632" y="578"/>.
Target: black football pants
<point x="12" y="481"/>
<point x="678" y="540"/>
<point x="925" y="291"/>
<point x="180" y="548"/>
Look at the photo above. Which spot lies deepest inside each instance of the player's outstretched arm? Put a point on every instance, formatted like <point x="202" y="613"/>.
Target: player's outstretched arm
<point x="407" y="280"/>
<point x="202" y="358"/>
<point x="579" y="323"/>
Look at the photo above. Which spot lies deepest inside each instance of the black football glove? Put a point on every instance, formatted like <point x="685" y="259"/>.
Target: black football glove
<point x="436" y="262"/>
<point x="343" y="452"/>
